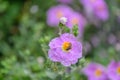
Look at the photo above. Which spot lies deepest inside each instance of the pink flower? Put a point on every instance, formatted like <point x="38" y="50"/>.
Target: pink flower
<point x="55" y="13"/>
<point x="96" y="7"/>
<point x="113" y="70"/>
<point x="77" y="19"/>
<point x="95" y="71"/>
<point x="65" y="49"/>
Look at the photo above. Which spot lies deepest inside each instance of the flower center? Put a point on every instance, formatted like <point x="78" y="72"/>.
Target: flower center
<point x="59" y="14"/>
<point x="118" y="70"/>
<point x="98" y="73"/>
<point x="66" y="46"/>
<point x="74" y="21"/>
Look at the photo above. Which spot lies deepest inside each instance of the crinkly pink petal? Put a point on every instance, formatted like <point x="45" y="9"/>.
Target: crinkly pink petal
<point x="69" y="63"/>
<point x="53" y="55"/>
<point x="77" y="48"/>
<point x="55" y="43"/>
<point x="65" y="63"/>
<point x="68" y="37"/>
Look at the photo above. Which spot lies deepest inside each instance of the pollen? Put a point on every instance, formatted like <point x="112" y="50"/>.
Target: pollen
<point x="118" y="70"/>
<point x="74" y="21"/>
<point x="66" y="46"/>
<point x="98" y="73"/>
<point x="59" y="14"/>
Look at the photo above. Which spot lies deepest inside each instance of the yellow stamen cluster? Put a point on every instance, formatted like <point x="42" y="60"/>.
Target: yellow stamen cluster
<point x="118" y="70"/>
<point x="66" y="46"/>
<point x="98" y="73"/>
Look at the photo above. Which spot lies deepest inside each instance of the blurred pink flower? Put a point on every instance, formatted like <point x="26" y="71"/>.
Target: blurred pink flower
<point x="76" y="18"/>
<point x="98" y="8"/>
<point x="95" y="71"/>
<point x="65" y="49"/>
<point x="56" y="12"/>
<point x="114" y="70"/>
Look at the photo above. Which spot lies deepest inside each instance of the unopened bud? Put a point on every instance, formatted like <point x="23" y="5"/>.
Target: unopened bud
<point x="63" y="20"/>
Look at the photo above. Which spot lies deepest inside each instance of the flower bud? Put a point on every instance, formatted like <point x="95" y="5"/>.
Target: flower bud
<point x="63" y="20"/>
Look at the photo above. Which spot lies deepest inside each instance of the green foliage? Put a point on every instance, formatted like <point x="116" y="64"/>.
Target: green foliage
<point x="75" y="30"/>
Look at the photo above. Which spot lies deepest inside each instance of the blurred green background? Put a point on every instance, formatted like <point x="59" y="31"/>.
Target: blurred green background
<point x="24" y="38"/>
